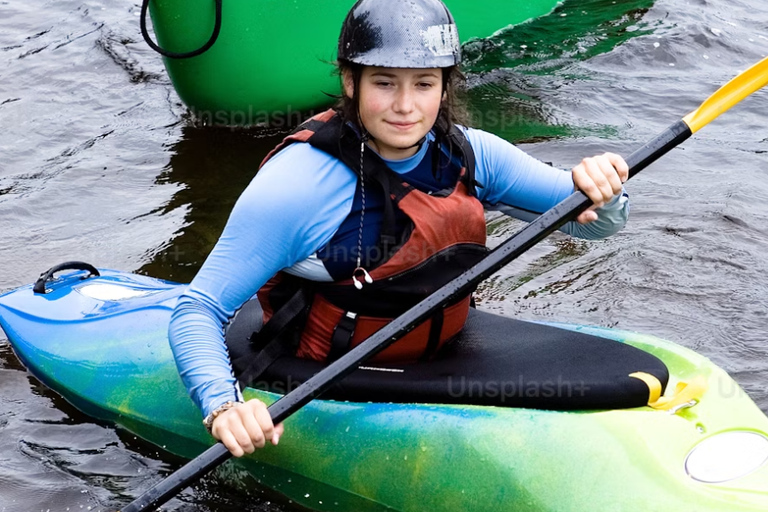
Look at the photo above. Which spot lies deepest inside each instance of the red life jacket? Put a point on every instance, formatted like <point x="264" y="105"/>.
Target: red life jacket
<point x="447" y="236"/>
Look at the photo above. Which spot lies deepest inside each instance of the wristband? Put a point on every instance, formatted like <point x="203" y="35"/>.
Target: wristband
<point x="208" y="421"/>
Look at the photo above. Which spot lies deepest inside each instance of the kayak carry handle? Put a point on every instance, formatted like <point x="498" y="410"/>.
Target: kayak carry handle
<point x="68" y="265"/>
<point x="179" y="55"/>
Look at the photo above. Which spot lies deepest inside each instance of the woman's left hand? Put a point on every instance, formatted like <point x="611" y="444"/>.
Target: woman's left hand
<point x="600" y="178"/>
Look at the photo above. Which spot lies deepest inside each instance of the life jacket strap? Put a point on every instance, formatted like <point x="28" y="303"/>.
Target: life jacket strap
<point x="435" y="330"/>
<point x="268" y="342"/>
<point x="342" y="336"/>
<point x="282" y="319"/>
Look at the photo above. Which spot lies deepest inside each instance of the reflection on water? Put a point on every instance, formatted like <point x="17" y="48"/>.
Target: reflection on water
<point x="514" y="74"/>
<point x="211" y="167"/>
<point x="575" y="31"/>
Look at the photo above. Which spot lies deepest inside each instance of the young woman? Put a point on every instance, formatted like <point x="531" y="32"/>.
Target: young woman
<point x="364" y="211"/>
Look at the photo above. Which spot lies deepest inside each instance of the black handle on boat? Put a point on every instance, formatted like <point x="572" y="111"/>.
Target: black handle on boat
<point x="734" y="91"/>
<point x="46" y="276"/>
<point x="179" y="55"/>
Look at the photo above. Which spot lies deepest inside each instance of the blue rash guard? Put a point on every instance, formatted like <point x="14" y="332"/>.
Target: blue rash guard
<point x="292" y="209"/>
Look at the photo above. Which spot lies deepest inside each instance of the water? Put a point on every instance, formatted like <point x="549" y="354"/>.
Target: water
<point x="100" y="163"/>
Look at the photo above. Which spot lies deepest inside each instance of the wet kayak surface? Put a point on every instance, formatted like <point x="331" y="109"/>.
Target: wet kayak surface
<point x="101" y="163"/>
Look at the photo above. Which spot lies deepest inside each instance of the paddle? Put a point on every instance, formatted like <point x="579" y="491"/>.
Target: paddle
<point x="726" y="97"/>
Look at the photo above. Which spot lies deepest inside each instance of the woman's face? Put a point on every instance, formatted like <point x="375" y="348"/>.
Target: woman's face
<point x="398" y="106"/>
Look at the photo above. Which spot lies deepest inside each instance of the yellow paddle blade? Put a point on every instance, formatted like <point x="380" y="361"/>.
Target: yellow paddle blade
<point x="729" y="95"/>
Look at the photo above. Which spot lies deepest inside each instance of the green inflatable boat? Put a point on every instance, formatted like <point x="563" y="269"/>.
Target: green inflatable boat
<point x="512" y="416"/>
<point x="266" y="61"/>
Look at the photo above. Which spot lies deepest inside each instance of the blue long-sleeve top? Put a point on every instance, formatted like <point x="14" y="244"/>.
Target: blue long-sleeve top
<point x="293" y="207"/>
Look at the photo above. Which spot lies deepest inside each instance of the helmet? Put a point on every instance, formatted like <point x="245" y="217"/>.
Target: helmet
<point x="400" y="34"/>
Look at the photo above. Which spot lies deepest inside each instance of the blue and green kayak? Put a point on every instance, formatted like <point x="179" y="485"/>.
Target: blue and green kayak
<point x="272" y="59"/>
<point x="513" y="416"/>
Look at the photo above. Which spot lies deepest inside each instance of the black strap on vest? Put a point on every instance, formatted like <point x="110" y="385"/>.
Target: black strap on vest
<point x="388" y="235"/>
<point x="342" y="336"/>
<point x="312" y="125"/>
<point x="268" y="341"/>
<point x="342" y="141"/>
<point x="456" y="137"/>
<point x="435" y="329"/>
<point x="282" y="319"/>
<point x="259" y="363"/>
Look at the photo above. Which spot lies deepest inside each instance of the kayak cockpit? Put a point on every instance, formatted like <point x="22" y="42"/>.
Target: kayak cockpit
<point x="495" y="360"/>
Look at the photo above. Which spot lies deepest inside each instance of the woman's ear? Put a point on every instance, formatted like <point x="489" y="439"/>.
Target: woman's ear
<point x="349" y="83"/>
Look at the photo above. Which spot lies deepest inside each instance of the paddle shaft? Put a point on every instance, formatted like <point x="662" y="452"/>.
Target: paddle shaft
<point x="526" y="238"/>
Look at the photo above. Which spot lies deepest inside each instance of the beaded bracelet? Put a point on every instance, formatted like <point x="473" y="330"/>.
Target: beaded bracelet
<point x="208" y="421"/>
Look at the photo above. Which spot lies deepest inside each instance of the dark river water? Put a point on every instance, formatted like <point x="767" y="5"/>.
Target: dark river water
<point x="100" y="162"/>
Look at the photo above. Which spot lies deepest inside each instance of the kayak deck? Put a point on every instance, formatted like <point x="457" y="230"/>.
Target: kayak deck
<point x="495" y="360"/>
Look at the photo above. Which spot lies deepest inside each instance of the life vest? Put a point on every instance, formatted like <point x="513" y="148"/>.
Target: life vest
<point x="446" y="236"/>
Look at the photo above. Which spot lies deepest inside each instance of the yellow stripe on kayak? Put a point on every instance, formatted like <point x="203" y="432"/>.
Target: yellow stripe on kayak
<point x="654" y="385"/>
<point x="685" y="392"/>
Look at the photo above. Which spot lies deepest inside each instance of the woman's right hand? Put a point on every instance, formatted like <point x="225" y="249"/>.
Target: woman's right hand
<point x="246" y="427"/>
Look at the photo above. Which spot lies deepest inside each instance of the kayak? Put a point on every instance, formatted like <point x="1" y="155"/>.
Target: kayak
<point x="272" y="60"/>
<point x="511" y="416"/>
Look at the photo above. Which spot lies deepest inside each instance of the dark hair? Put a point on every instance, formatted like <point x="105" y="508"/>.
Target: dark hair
<point x="452" y="110"/>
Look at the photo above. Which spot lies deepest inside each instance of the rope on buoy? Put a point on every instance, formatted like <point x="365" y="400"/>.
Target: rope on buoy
<point x="180" y="55"/>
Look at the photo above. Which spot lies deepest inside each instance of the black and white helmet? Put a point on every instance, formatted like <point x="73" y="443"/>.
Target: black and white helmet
<point x="400" y="34"/>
